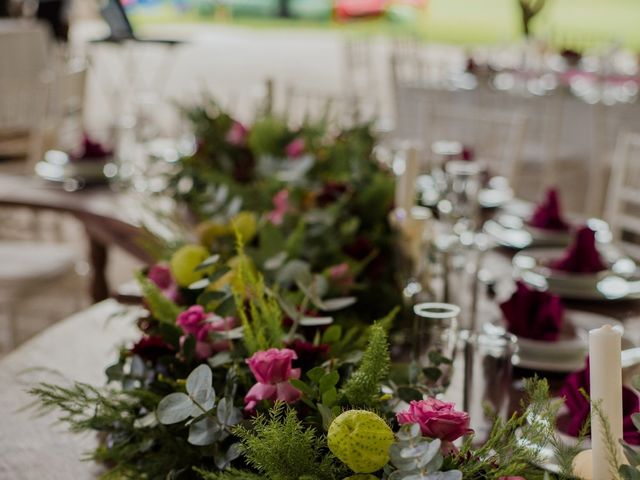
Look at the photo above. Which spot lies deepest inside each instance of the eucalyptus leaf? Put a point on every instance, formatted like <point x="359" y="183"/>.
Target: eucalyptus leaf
<point x="204" y="432"/>
<point x="175" y="407"/>
<point x="220" y="359"/>
<point x="199" y="386"/>
<point x="315" y="374"/>
<point x="316" y="321"/>
<point x="212" y="260"/>
<point x="223" y="460"/>
<point x="276" y="261"/>
<point x="293" y="271"/>
<point x="333" y="304"/>
<point x="329" y="380"/>
<point x="227" y="414"/>
<point x="199" y="284"/>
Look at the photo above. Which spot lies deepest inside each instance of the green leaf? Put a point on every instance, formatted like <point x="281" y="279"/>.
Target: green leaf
<point x="629" y="473"/>
<point x="205" y="298"/>
<point x="175" y="407"/>
<point x="328" y="381"/>
<point x="432" y="373"/>
<point x="226" y="307"/>
<point x="437" y="358"/>
<point x="332" y="334"/>
<point x="635" y="418"/>
<point x="408" y="394"/>
<point x="330" y="396"/>
<point x="219" y="273"/>
<point x="327" y="415"/>
<point x="302" y="386"/>
<point x="315" y="374"/>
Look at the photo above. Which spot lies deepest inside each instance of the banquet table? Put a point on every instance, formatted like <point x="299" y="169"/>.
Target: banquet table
<point x="82" y="346"/>
<point x="34" y="446"/>
<point x="110" y="218"/>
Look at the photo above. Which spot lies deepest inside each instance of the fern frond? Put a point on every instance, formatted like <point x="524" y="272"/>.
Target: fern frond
<point x="259" y="310"/>
<point x="363" y="387"/>
<point x="162" y="309"/>
<point x="231" y="474"/>
<point x="281" y="448"/>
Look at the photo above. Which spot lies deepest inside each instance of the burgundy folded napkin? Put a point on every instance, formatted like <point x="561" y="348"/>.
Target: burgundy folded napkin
<point x="90" y="149"/>
<point x="547" y="214"/>
<point x="582" y="256"/>
<point x="533" y="314"/>
<point x="579" y="408"/>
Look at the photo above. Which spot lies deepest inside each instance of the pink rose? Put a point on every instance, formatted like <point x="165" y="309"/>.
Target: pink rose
<point x="281" y="207"/>
<point x="272" y="369"/>
<point x="295" y="148"/>
<point x="161" y="276"/>
<point x="195" y="321"/>
<point x="237" y="134"/>
<point x="192" y="319"/>
<point x="437" y="419"/>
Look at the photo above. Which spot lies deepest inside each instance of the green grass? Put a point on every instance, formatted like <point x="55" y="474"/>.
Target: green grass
<point x="568" y="23"/>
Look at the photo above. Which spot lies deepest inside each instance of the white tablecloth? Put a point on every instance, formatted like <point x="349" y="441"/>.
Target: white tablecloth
<point x="79" y="348"/>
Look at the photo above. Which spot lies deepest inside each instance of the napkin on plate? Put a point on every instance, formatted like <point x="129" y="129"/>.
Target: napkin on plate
<point x="582" y="256"/>
<point x="547" y="215"/>
<point x="580" y="409"/>
<point x="533" y="314"/>
<point x="90" y="149"/>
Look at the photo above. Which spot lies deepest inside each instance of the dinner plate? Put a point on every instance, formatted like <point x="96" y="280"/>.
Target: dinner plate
<point x="56" y="167"/>
<point x="620" y="282"/>
<point x="496" y="193"/>
<point x="512" y="231"/>
<point x="567" y="354"/>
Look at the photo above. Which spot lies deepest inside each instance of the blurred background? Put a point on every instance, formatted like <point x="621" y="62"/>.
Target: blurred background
<point x="552" y="84"/>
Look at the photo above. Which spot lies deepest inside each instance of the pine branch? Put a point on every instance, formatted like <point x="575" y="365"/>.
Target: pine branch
<point x="363" y="387"/>
<point x="162" y="309"/>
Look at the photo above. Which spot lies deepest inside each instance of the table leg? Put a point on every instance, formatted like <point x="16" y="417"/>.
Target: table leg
<point x="98" y="256"/>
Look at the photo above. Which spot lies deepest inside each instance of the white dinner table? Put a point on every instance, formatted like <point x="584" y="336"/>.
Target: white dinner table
<point x="35" y="446"/>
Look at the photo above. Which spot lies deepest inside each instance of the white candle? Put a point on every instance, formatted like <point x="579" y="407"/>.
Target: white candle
<point x="606" y="389"/>
<point x="406" y="181"/>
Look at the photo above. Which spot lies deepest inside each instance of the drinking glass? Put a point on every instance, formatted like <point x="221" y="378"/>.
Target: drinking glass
<point x="435" y="332"/>
<point x="488" y="375"/>
<point x="460" y="206"/>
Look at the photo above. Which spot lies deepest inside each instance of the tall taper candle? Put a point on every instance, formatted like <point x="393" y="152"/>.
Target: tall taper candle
<point x="606" y="389"/>
<point x="406" y="181"/>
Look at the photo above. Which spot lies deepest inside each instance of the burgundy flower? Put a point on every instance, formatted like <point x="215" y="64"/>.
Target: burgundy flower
<point x="309" y="354"/>
<point x="151" y="348"/>
<point x="237" y="134"/>
<point x="331" y="191"/>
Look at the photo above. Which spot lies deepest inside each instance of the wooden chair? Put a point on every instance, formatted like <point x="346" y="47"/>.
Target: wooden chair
<point x="623" y="199"/>
<point x="24" y="84"/>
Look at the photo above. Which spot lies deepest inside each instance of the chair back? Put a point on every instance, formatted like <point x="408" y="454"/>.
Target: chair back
<point x="495" y="137"/>
<point x="623" y="201"/>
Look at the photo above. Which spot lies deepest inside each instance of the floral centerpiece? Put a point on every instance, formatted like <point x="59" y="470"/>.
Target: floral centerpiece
<point x="264" y="350"/>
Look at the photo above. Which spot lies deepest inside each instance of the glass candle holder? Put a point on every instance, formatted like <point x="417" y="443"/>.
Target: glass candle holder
<point x="435" y="335"/>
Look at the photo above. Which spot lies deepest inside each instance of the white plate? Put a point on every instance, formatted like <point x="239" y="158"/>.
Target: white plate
<point x="620" y="281"/>
<point x="563" y="355"/>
